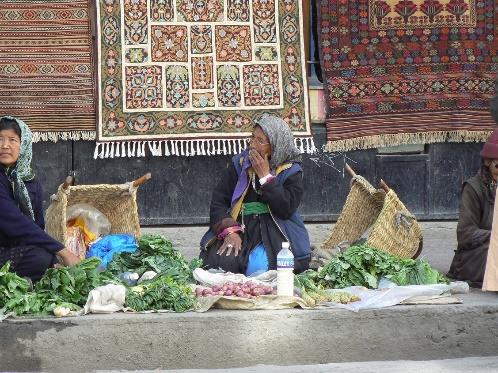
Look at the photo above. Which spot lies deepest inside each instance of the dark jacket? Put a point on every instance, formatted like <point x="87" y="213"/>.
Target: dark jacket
<point x="283" y="197"/>
<point x="473" y="232"/>
<point x="17" y="229"/>
<point x="284" y="210"/>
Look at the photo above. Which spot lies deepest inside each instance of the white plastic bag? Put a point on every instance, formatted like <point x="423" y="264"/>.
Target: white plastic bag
<point x="210" y="278"/>
<point x="390" y="296"/>
<point x="95" y="221"/>
<point x="105" y="299"/>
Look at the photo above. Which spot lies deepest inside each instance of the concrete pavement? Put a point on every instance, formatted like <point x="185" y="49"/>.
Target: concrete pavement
<point x="231" y="339"/>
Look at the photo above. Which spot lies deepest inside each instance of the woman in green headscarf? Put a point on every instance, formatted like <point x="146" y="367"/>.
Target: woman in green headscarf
<point x="23" y="240"/>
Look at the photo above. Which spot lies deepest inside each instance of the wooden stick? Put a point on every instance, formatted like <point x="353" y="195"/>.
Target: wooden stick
<point x="68" y="182"/>
<point x="384" y="186"/>
<point x="142" y="179"/>
<point x="349" y="170"/>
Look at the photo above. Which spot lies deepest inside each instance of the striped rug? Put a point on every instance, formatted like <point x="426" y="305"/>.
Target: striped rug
<point x="46" y="67"/>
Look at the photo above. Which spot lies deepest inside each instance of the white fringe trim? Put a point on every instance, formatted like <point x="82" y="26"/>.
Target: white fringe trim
<point x="67" y="135"/>
<point x="379" y="141"/>
<point x="188" y="148"/>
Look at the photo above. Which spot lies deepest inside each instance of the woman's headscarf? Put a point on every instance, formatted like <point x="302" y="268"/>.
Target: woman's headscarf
<point x="283" y="150"/>
<point x="281" y="139"/>
<point x="22" y="171"/>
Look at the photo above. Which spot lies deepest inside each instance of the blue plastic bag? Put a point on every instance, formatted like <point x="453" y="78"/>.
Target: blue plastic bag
<point x="107" y="246"/>
<point x="258" y="261"/>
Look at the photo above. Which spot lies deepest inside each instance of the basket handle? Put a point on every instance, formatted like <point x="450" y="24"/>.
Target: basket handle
<point x="141" y="180"/>
<point x="349" y="170"/>
<point x="352" y="173"/>
<point x="384" y="186"/>
<point x="67" y="182"/>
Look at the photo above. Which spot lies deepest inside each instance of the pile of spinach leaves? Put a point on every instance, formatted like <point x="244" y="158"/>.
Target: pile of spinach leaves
<point x="169" y="290"/>
<point x="361" y="265"/>
<point x="155" y="253"/>
<point x="67" y="287"/>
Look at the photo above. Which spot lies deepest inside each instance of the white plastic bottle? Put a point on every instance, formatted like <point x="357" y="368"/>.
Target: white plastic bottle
<point x="285" y="271"/>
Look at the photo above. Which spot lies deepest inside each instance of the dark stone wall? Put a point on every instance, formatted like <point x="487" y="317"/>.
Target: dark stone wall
<point x="179" y="192"/>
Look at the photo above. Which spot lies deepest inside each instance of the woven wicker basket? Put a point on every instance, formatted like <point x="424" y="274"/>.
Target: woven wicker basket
<point x="392" y="227"/>
<point x="362" y="207"/>
<point x="116" y="201"/>
<point x="396" y="230"/>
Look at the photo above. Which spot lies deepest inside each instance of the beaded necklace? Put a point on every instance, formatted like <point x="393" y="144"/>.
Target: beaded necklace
<point x="253" y="181"/>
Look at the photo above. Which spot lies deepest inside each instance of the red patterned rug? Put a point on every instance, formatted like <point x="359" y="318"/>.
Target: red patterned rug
<point x="46" y="75"/>
<point x="401" y="71"/>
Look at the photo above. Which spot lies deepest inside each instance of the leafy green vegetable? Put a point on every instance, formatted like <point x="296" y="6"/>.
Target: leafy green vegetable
<point x="362" y="265"/>
<point x="73" y="284"/>
<point x="67" y="287"/>
<point x="155" y="253"/>
<point x="11" y="285"/>
<point x="161" y="293"/>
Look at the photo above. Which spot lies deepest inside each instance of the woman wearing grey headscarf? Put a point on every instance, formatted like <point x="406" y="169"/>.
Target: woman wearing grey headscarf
<point x="254" y="206"/>
<point x="23" y="242"/>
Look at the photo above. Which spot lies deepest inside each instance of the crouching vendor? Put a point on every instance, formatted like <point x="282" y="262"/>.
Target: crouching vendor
<point x="254" y="206"/>
<point x="476" y="218"/>
<point x="23" y="241"/>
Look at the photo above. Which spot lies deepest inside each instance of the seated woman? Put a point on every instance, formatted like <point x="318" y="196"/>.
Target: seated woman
<point x="476" y="217"/>
<point x="254" y="206"/>
<point x="23" y="241"/>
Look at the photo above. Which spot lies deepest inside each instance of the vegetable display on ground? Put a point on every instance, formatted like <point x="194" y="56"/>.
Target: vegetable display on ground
<point x="361" y="265"/>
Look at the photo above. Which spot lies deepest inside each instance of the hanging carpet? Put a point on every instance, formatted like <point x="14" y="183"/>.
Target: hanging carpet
<point x="191" y="77"/>
<point x="401" y="71"/>
<point x="45" y="67"/>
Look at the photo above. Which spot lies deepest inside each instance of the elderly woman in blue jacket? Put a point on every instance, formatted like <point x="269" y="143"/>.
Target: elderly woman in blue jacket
<point x="254" y="206"/>
<point x="23" y="240"/>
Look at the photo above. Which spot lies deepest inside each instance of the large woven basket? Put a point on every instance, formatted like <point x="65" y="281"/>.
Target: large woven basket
<point x="363" y="205"/>
<point x="381" y="216"/>
<point x="396" y="230"/>
<point x="116" y="201"/>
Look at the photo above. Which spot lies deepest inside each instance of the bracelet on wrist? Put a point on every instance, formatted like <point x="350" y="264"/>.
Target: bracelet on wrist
<point x="225" y="232"/>
<point x="266" y="179"/>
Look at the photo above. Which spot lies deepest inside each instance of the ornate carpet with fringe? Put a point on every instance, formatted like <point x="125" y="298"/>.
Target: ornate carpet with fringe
<point x="401" y="71"/>
<point x="191" y="77"/>
<point x="45" y="67"/>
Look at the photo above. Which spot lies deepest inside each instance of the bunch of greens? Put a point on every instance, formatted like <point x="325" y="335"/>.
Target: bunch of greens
<point x="66" y="287"/>
<point x="362" y="265"/>
<point x="11" y="285"/>
<point x="155" y="253"/>
<point x="73" y="284"/>
<point x="160" y="293"/>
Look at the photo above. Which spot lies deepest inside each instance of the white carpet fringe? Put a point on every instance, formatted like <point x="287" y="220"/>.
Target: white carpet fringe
<point x="188" y="148"/>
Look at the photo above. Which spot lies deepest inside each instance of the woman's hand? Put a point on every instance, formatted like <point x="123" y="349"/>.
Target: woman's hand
<point x="260" y="165"/>
<point x="232" y="242"/>
<point x="68" y="258"/>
